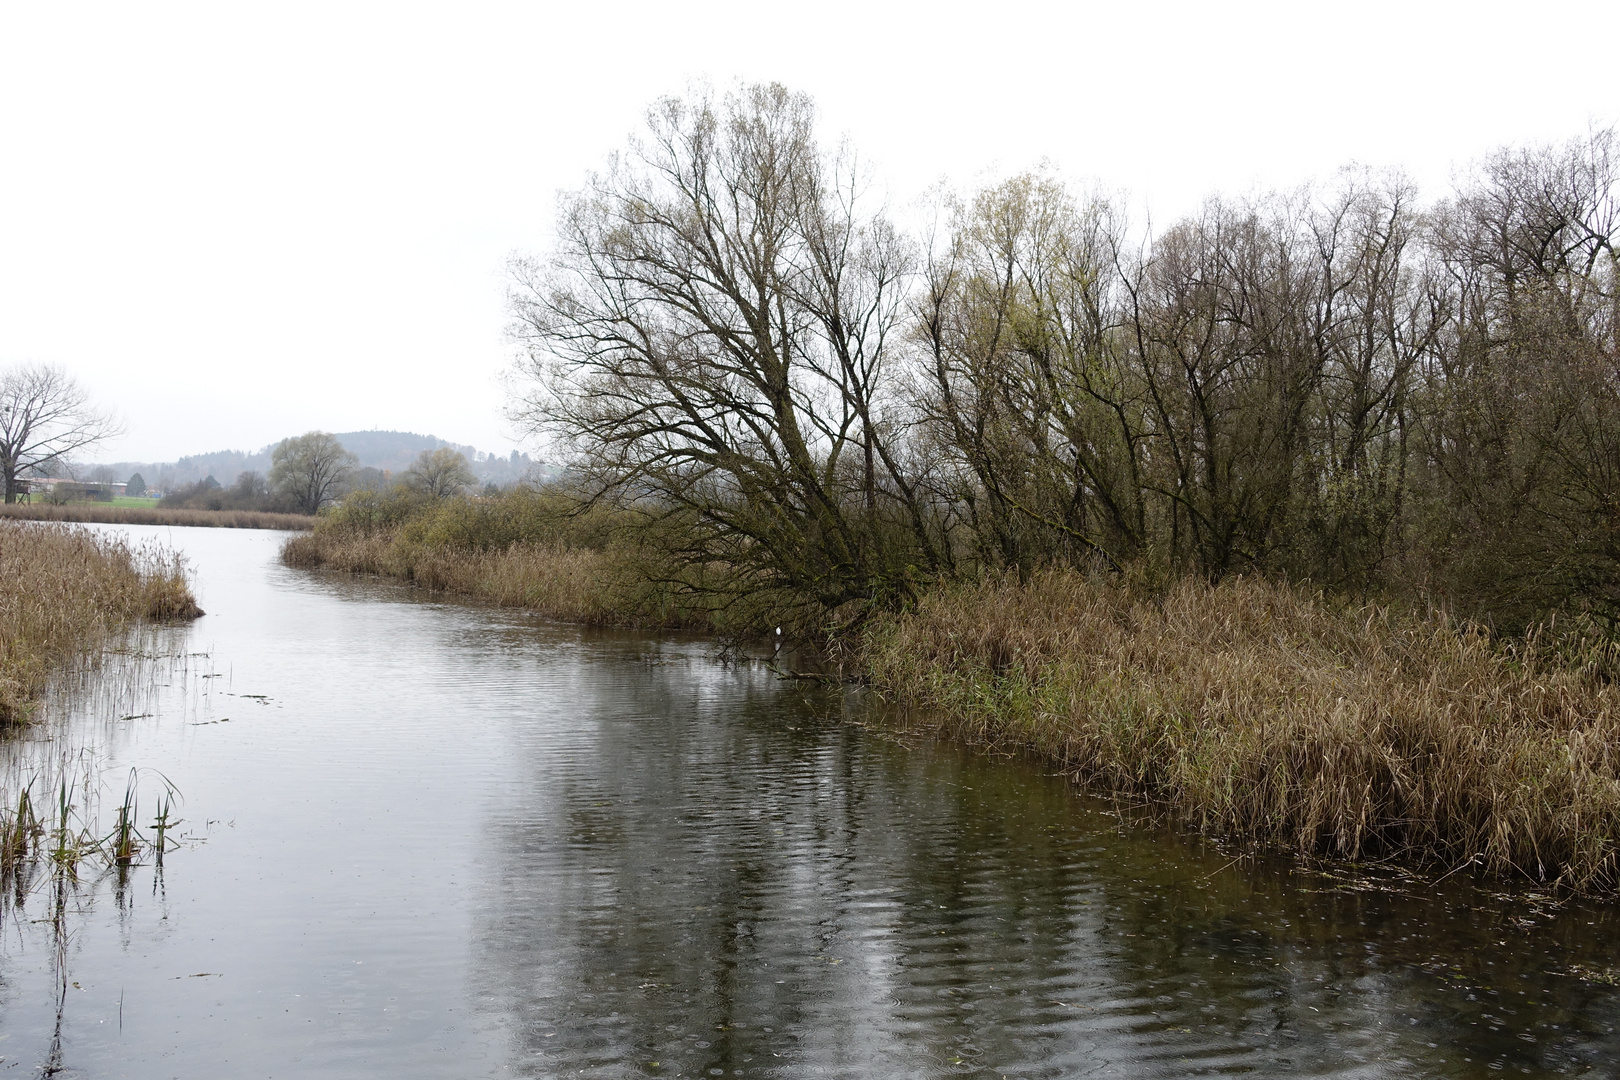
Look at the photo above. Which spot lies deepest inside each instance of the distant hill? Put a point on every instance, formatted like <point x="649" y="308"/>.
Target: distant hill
<point x="390" y="451"/>
<point x="393" y="450"/>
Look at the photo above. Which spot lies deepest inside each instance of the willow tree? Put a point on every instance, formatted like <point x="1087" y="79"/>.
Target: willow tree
<point x="1025" y="380"/>
<point x="440" y="473"/>
<point x="311" y="470"/>
<point x="713" y="337"/>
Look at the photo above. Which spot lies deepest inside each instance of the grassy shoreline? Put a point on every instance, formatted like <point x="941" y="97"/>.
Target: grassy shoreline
<point x="108" y="514"/>
<point x="64" y="592"/>
<point x="570" y="583"/>
<point x="1258" y="711"/>
<point x="1250" y="710"/>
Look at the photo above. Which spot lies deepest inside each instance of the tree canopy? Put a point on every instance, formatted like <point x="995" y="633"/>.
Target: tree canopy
<point x="310" y="469"/>
<point x="1342" y="384"/>
<point x="440" y="473"/>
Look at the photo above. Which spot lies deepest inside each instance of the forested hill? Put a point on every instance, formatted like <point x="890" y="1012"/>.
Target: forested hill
<point x="393" y="450"/>
<point x="390" y="450"/>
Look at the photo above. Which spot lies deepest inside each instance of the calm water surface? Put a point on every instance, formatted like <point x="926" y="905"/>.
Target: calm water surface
<point x="436" y="840"/>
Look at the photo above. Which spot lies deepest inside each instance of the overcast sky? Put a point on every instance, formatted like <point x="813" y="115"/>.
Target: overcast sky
<point x="235" y="222"/>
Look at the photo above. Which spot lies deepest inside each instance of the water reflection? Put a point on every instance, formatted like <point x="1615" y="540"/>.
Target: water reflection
<point x="725" y="877"/>
<point x="435" y="840"/>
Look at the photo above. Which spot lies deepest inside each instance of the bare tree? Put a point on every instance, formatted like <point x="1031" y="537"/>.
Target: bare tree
<point x="1520" y="440"/>
<point x="440" y="473"/>
<point x="713" y="337"/>
<point x="45" y="415"/>
<point x="310" y="469"/>
<point x="1337" y="384"/>
<point x="1025" y="379"/>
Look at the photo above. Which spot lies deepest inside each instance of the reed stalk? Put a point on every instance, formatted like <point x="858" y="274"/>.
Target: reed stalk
<point x="64" y="592"/>
<point x="551" y="577"/>
<point x="1262" y="711"/>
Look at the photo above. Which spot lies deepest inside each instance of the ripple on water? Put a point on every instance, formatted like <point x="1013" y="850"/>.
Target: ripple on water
<point x="462" y="842"/>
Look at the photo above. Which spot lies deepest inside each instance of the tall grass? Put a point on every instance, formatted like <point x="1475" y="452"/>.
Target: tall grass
<point x="521" y="549"/>
<point x="136" y="515"/>
<point x="54" y="817"/>
<point x="1263" y="711"/>
<point x="64" y="590"/>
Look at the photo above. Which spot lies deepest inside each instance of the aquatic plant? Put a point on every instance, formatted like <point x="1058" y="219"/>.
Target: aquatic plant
<point x="72" y="832"/>
<point x="533" y="550"/>
<point x="1265" y="711"/>
<point x="65" y="591"/>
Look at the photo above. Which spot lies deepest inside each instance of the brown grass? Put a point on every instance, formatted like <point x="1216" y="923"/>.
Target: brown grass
<point x="553" y="578"/>
<point x="135" y="515"/>
<point x="63" y="591"/>
<point x="1265" y="712"/>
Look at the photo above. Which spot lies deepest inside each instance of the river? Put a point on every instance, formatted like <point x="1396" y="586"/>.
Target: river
<point x="432" y="839"/>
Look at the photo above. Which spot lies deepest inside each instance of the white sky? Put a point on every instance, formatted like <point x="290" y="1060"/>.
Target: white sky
<point x="236" y="222"/>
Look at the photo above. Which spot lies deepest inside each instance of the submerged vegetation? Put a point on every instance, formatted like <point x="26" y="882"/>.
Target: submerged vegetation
<point x="64" y="592"/>
<point x="1300" y="517"/>
<point x="51" y="820"/>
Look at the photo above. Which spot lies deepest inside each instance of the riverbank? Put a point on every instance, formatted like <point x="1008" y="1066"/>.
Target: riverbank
<point x="1249" y="709"/>
<point x="64" y="592"/>
<point x="553" y="578"/>
<point x="107" y="514"/>
<point x="1264" y="712"/>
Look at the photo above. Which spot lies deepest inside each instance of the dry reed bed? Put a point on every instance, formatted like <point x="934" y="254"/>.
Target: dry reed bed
<point x="1260" y="711"/>
<point x="551" y="578"/>
<point x="63" y="590"/>
<point x="136" y="515"/>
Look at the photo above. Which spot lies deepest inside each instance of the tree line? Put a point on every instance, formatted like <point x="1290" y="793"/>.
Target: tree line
<point x="47" y="417"/>
<point x="807" y="402"/>
<point x="311" y="472"/>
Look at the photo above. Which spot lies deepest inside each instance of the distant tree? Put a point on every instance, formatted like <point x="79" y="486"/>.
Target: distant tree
<point x="204" y="494"/>
<point x="136" y="486"/>
<point x="310" y="470"/>
<point x="250" y="485"/>
<point x="249" y="491"/>
<point x="98" y="484"/>
<point x="63" y="493"/>
<point x="369" y="479"/>
<point x="44" y="416"/>
<point x="440" y="473"/>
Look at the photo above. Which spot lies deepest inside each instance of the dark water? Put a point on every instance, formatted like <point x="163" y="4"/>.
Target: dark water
<point x="455" y="842"/>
